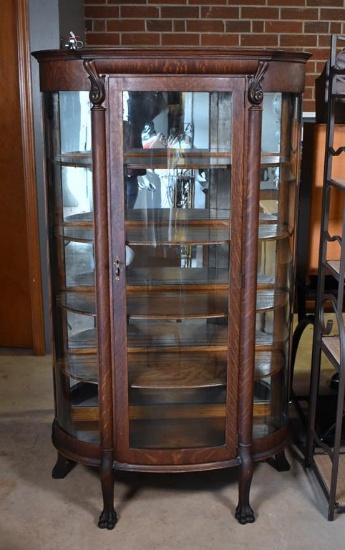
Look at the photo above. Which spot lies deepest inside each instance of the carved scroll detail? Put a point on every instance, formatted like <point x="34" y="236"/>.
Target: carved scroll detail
<point x="97" y="91"/>
<point x="255" y="93"/>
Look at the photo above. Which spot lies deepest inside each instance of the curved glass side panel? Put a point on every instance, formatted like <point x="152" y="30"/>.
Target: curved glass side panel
<point x="279" y="181"/>
<point x="72" y="263"/>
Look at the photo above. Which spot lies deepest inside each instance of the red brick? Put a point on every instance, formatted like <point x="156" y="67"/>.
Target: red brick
<point x="323" y="40"/>
<point x="179" y="26"/>
<point x="323" y="3"/>
<point x="306" y="14"/>
<point x="336" y="28"/>
<point x="208" y="2"/>
<point x="119" y="3"/>
<point x="316" y="27"/>
<point x="92" y="2"/>
<point x="101" y="12"/>
<point x="304" y="41"/>
<point x="237" y="26"/>
<point x="144" y="12"/>
<point x="332" y="14"/>
<point x="140" y="39"/>
<point x="217" y="12"/>
<point x="300" y="3"/>
<point x="229" y="40"/>
<point x="159" y="25"/>
<point x="179" y="12"/>
<point x="205" y="26"/>
<point x="102" y="39"/>
<point x="183" y="39"/>
<point x="248" y="2"/>
<point x="260" y="13"/>
<point x="259" y="40"/>
<point x="168" y="2"/>
<point x="258" y="27"/>
<point x="310" y="80"/>
<point x="119" y="25"/>
<point x="287" y="27"/>
<point x="99" y="25"/>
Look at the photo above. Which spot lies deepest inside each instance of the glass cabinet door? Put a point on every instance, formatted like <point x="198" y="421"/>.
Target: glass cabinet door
<point x="72" y="263"/>
<point x="177" y="173"/>
<point x="278" y="187"/>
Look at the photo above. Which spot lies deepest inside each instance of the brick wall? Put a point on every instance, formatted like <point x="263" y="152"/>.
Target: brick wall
<point x="285" y="24"/>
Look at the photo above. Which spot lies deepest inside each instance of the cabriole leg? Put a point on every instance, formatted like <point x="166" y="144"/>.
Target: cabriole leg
<point x="244" y="513"/>
<point x="108" y="517"/>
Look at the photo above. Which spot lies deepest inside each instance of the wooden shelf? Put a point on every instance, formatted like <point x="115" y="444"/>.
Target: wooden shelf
<point x="270" y="299"/>
<point x="82" y="218"/>
<point x="177" y="304"/>
<point x="173" y="216"/>
<point x="76" y="233"/>
<point x="154" y="303"/>
<point x="265" y="340"/>
<point x="169" y="227"/>
<point x="82" y="367"/>
<point x="177" y="370"/>
<point x="174" y="370"/>
<point x="83" y="340"/>
<point x="193" y="335"/>
<point x="176" y="411"/>
<point x="78" y="302"/>
<point x="176" y="276"/>
<point x="85" y="414"/>
<point x="268" y="363"/>
<point x="171" y="158"/>
<point x="159" y="433"/>
<point x="82" y="281"/>
<point x="75" y="159"/>
<point x="178" y="235"/>
<point x="272" y="231"/>
<point x="195" y="303"/>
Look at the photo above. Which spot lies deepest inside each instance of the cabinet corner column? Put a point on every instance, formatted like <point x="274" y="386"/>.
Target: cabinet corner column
<point x="99" y="163"/>
<point x="251" y="188"/>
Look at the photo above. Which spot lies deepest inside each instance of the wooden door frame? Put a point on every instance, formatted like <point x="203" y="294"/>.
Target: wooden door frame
<point x="26" y="115"/>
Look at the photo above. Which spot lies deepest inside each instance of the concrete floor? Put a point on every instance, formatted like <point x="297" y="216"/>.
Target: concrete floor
<point x="170" y="512"/>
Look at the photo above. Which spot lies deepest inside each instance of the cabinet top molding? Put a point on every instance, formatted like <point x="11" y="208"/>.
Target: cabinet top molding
<point x="174" y="53"/>
<point x="285" y="72"/>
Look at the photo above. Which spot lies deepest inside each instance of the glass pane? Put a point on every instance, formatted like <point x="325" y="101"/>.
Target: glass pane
<point x="178" y="195"/>
<point x="77" y="193"/>
<point x="279" y="180"/>
<point x="75" y="122"/>
<point x="72" y="259"/>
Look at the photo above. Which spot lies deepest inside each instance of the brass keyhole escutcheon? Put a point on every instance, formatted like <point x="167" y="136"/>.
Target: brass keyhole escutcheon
<point x="117" y="268"/>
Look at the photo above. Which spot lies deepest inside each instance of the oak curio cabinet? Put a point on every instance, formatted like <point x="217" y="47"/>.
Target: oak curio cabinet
<point x="172" y="179"/>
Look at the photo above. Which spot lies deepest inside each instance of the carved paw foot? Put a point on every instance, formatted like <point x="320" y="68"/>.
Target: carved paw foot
<point x="107" y="519"/>
<point x="244" y="514"/>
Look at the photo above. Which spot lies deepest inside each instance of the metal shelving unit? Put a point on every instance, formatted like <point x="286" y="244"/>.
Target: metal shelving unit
<point x="325" y="453"/>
